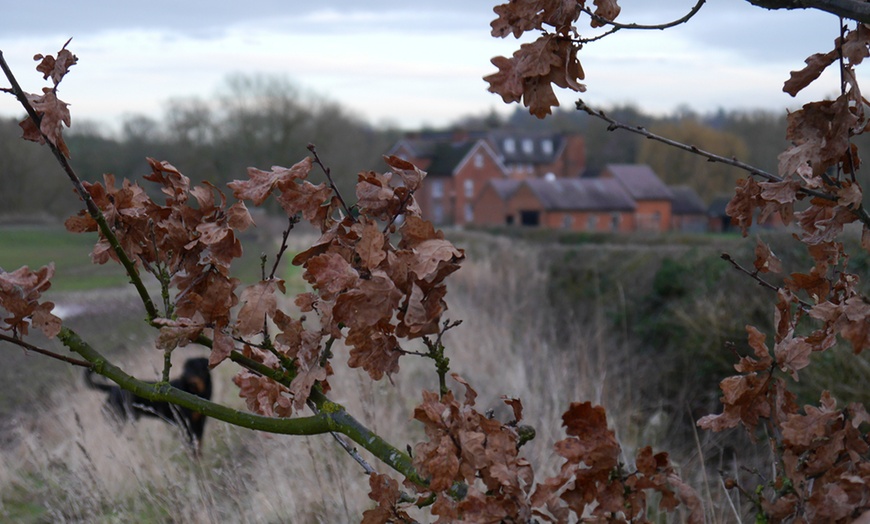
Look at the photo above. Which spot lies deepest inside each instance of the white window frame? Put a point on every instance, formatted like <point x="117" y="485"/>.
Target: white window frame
<point x="528" y="146"/>
<point x="469" y="188"/>
<point x="547" y="146"/>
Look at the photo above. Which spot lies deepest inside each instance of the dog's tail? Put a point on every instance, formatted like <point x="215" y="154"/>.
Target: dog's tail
<point x="91" y="383"/>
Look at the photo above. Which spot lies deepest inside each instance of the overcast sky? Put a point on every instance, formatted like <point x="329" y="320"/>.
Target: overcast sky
<point x="409" y="63"/>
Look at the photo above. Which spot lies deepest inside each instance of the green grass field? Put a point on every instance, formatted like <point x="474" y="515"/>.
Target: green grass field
<point x="38" y="246"/>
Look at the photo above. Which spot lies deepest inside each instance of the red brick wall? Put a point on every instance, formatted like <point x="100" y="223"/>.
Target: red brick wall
<point x="430" y="203"/>
<point x="583" y="221"/>
<point x="478" y="169"/>
<point x="653" y="215"/>
<point x="490" y="209"/>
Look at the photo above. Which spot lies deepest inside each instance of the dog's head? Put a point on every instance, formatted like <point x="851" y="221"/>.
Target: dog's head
<point x="197" y="376"/>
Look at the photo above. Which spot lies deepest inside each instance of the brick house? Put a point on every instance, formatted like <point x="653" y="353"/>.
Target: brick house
<point x="459" y="166"/>
<point x="623" y="198"/>
<point x="456" y="171"/>
<point x="575" y="204"/>
<point x="652" y="197"/>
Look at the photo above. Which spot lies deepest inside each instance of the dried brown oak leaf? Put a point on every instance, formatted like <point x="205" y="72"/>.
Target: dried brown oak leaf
<point x="56" y="68"/>
<point x="258" y="302"/>
<point x="20" y="292"/>
<point x="376" y="197"/>
<point x="607" y="9"/>
<point x="411" y="175"/>
<point x="263" y="395"/>
<point x="765" y="260"/>
<point x="330" y="274"/>
<point x="260" y="184"/>
<point x="533" y="69"/>
<point x="816" y="64"/>
<point x="385" y="491"/>
<point x="53" y="115"/>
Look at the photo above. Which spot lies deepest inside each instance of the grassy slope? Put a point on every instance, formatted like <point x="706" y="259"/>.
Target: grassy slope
<point x="635" y="324"/>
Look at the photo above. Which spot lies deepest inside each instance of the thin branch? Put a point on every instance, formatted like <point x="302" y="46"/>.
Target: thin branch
<point x="332" y="185"/>
<point x="640" y="130"/>
<point x="35" y="349"/>
<point x="291" y="222"/>
<point x="617" y="25"/>
<point x="806" y="306"/>
<point x="350" y="450"/>
<point x="860" y="211"/>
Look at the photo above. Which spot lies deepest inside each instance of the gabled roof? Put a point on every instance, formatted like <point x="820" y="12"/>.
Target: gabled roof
<point x="686" y="201"/>
<point x="441" y="154"/>
<point x="640" y="181"/>
<point x="505" y="188"/>
<point x="578" y="194"/>
<point x="446" y="156"/>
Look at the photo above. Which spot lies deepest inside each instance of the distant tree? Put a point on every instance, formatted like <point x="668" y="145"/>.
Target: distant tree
<point x="675" y="167"/>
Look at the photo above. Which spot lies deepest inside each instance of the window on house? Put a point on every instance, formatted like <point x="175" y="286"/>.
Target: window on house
<point x="547" y="146"/>
<point x="615" y="220"/>
<point x="478" y="161"/>
<point x="592" y="223"/>
<point x="469" y="213"/>
<point x="438" y="214"/>
<point x="510" y="147"/>
<point x="437" y="189"/>
<point x="567" y="221"/>
<point x="469" y="188"/>
<point x="528" y="146"/>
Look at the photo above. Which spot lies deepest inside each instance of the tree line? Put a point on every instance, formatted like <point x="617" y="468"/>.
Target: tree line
<point x="267" y="120"/>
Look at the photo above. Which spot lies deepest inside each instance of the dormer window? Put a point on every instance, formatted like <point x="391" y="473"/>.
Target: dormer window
<point x="510" y="147"/>
<point x="547" y="146"/>
<point x="528" y="146"/>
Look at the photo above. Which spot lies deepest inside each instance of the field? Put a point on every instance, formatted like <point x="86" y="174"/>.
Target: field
<point x="638" y="325"/>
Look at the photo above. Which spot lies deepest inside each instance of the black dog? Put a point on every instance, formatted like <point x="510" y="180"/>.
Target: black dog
<point x="195" y="379"/>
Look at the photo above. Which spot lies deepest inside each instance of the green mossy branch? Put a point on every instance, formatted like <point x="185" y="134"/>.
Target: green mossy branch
<point x="331" y="417"/>
<point x="162" y="391"/>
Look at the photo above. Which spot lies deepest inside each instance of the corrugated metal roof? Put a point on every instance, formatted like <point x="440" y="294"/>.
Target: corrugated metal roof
<point x="640" y="181"/>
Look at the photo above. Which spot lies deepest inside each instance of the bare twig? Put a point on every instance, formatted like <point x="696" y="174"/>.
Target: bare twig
<point x="35" y="349"/>
<point x="332" y="185"/>
<point x="860" y="211"/>
<point x="291" y="222"/>
<point x="351" y="450"/>
<point x="806" y="306"/>
<point x="617" y="25"/>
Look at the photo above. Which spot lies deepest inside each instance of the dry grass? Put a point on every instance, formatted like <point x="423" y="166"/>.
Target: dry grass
<point x="65" y="463"/>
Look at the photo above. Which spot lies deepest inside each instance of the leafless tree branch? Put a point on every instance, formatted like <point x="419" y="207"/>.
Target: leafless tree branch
<point x="617" y="25"/>
<point x="36" y="349"/>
